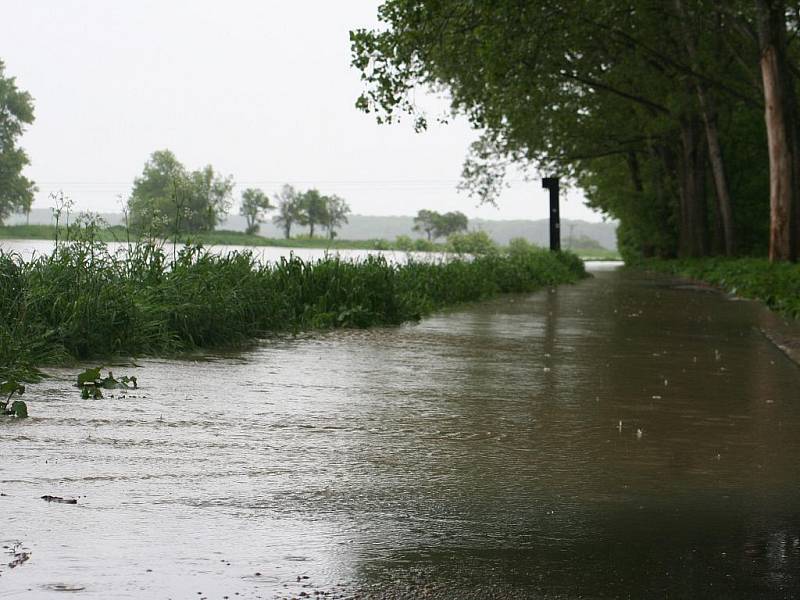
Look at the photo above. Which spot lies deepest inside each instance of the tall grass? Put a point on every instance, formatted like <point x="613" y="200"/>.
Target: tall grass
<point x="82" y="302"/>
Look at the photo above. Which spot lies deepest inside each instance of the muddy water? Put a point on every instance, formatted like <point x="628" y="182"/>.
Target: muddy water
<point x="623" y="437"/>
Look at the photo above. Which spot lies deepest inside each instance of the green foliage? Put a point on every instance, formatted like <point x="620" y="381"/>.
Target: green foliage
<point x="619" y="98"/>
<point x="474" y="242"/>
<point x="312" y="209"/>
<point x="336" y="211"/>
<point x="775" y="284"/>
<point x="254" y="206"/>
<point x="289" y="210"/>
<point x="169" y="200"/>
<point x="520" y="246"/>
<point x="91" y="383"/>
<point x="425" y="221"/>
<point x="404" y="243"/>
<point x="8" y="406"/>
<point x="424" y="246"/>
<point x="82" y="302"/>
<point x="436" y="225"/>
<point x="16" y="111"/>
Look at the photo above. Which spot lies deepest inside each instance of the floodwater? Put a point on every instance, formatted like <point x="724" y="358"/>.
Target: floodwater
<point x="28" y="249"/>
<point x="627" y="436"/>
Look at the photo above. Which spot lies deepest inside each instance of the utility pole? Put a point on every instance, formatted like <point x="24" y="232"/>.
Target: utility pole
<point x="551" y="183"/>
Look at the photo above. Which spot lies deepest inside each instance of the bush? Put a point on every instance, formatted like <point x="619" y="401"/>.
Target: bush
<point x="422" y="245"/>
<point x="474" y="242"/>
<point x="404" y="243"/>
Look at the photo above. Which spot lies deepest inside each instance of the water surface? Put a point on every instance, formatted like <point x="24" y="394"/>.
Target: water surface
<point x="622" y="437"/>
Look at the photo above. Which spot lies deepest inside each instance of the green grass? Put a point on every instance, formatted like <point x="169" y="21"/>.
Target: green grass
<point x="81" y="302"/>
<point x="775" y="284"/>
<point x="593" y="254"/>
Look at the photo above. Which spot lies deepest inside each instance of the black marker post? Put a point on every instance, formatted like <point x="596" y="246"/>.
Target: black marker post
<point x="551" y="183"/>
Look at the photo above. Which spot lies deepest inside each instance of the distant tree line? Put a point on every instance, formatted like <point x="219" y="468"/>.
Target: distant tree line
<point x="169" y="199"/>
<point x="678" y="118"/>
<point x="310" y="209"/>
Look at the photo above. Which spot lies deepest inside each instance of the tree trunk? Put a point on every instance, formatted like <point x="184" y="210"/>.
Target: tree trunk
<point x="709" y="114"/>
<point x="781" y="137"/>
<point x="635" y="171"/>
<point x="724" y="207"/>
<point x="693" y="234"/>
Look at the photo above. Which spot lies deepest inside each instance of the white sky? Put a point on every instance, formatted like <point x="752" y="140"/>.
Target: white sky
<point x="260" y="89"/>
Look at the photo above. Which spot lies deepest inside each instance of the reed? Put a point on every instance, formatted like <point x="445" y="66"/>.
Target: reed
<point x="83" y="302"/>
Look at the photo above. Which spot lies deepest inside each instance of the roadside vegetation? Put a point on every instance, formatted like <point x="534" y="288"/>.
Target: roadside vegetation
<point x="775" y="284"/>
<point x="84" y="302"/>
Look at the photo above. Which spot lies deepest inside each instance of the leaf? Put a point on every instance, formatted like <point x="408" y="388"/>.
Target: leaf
<point x="10" y="388"/>
<point x="89" y="376"/>
<point x="109" y="383"/>
<point x="20" y="409"/>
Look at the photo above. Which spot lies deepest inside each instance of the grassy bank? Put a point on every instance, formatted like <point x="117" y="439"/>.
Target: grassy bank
<point x="775" y="284"/>
<point x="82" y="302"/>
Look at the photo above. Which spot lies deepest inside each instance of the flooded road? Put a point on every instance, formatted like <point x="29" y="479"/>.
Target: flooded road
<point x="623" y="437"/>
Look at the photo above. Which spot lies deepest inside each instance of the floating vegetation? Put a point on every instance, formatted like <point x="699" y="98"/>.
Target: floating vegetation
<point x="91" y="383"/>
<point x="83" y="302"/>
<point x="9" y="406"/>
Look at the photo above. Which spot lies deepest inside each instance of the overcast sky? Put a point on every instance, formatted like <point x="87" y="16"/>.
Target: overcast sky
<point x="260" y="89"/>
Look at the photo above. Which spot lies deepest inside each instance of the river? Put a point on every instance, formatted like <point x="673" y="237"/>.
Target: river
<point x="628" y="436"/>
<point x="28" y="249"/>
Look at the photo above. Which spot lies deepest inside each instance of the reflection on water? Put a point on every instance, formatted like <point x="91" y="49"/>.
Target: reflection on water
<point x="478" y="453"/>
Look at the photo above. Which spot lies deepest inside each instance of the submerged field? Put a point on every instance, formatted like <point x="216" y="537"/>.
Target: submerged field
<point x="83" y="302"/>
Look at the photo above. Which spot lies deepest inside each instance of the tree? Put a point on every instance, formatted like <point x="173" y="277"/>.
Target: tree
<point x="254" y="206"/>
<point x="426" y="221"/>
<point x="450" y="223"/>
<point x="289" y="210"/>
<point x="313" y="210"/>
<point x="336" y="211"/>
<point x="16" y="111"/>
<point x="210" y="197"/>
<point x="167" y="198"/>
<point x="632" y="100"/>
<point x="781" y="118"/>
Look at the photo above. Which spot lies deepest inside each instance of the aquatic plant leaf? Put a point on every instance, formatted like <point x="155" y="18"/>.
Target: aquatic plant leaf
<point x="20" y="409"/>
<point x="9" y="388"/>
<point x="89" y="375"/>
<point x="109" y="383"/>
<point x="128" y="380"/>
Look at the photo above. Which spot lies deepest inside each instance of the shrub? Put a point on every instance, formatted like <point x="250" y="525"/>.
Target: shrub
<point x="474" y="242"/>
